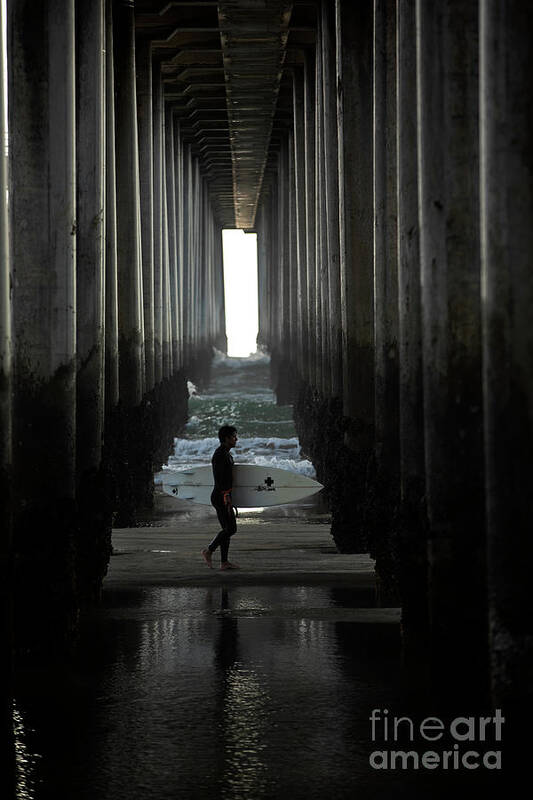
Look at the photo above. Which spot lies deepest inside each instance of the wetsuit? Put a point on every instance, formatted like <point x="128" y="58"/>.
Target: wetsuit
<point x="222" y="463"/>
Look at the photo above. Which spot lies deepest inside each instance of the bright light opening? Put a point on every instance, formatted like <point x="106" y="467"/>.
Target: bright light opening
<point x="240" y="291"/>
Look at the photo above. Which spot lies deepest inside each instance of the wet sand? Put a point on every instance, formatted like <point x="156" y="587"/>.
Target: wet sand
<point x="275" y="546"/>
<point x="252" y="684"/>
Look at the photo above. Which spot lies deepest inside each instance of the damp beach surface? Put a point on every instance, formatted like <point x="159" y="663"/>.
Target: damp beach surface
<point x="241" y="685"/>
<point x="259" y="683"/>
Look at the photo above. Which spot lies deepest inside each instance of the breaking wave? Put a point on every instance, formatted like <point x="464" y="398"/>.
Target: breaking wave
<point x="272" y="451"/>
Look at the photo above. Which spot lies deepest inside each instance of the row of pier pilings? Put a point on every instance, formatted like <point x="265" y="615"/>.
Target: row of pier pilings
<point x="396" y="300"/>
<point x="111" y="298"/>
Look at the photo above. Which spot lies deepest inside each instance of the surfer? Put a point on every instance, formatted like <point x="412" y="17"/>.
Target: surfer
<point x="222" y="462"/>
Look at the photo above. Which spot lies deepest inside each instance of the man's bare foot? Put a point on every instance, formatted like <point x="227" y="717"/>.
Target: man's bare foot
<point x="207" y="558"/>
<point x="229" y="565"/>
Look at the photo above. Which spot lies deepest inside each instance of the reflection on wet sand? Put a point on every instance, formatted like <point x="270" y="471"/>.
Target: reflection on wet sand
<point x="232" y="692"/>
<point x="188" y="694"/>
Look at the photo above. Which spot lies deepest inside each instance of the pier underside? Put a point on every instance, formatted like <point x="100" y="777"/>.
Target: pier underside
<point x="382" y="152"/>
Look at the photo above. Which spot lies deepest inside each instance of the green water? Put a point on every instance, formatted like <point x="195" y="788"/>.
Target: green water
<point x="239" y="394"/>
<point x="252" y="417"/>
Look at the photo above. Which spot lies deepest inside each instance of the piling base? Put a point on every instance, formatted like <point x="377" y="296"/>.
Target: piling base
<point x="138" y="442"/>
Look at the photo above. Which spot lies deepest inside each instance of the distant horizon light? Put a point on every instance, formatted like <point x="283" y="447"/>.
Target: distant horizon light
<point x="240" y="291"/>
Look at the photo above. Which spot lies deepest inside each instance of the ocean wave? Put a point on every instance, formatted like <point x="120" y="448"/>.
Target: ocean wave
<point x="256" y="444"/>
<point x="238" y="362"/>
<point x="303" y="467"/>
<point x="259" y="396"/>
<point x="264" y="451"/>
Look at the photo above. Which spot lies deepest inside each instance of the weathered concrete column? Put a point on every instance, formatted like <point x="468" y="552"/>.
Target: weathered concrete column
<point x="276" y="278"/>
<point x="202" y="265"/>
<point x="157" y="107"/>
<point x="263" y="335"/>
<point x="447" y="56"/>
<point x="386" y="454"/>
<point x="318" y="410"/>
<point x="207" y="279"/>
<point x="209" y="297"/>
<point x="193" y="272"/>
<point x="286" y="276"/>
<point x="321" y="317"/>
<point x="42" y="159"/>
<point x="134" y="456"/>
<point x="170" y="185"/>
<point x="186" y="252"/>
<point x="412" y="533"/>
<point x="111" y="275"/>
<point x="292" y="261"/>
<point x="506" y="128"/>
<point x="216" y="282"/>
<point x="283" y="383"/>
<point x="212" y="275"/>
<point x="94" y="540"/>
<point x="274" y="285"/>
<point x="222" y="341"/>
<point x="331" y="186"/>
<point x="354" y="78"/>
<point x="7" y="759"/>
<point x="196" y="238"/>
<point x="178" y="156"/>
<point x="5" y="324"/>
<point x="166" y="288"/>
<point x="200" y="261"/>
<point x="5" y="341"/>
<point x="206" y="284"/>
<point x="193" y="256"/>
<point x="143" y="61"/>
<point x="131" y="346"/>
<point x="309" y="133"/>
<point x="301" y="232"/>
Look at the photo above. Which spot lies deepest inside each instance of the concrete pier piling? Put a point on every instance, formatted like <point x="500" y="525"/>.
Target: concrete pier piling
<point x="94" y="537"/>
<point x="507" y="300"/>
<point x="42" y="154"/>
<point x="144" y="83"/>
<point x="412" y="524"/>
<point x="131" y="346"/>
<point x="451" y="300"/>
<point x="381" y="150"/>
<point x="386" y="457"/>
<point x="157" y="176"/>
<point x="131" y="468"/>
<point x="7" y="759"/>
<point x="94" y="377"/>
<point x="111" y="278"/>
<point x="424" y="242"/>
<point x="354" y="119"/>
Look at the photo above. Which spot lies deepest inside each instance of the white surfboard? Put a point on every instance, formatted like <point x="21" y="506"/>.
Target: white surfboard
<point x="253" y="485"/>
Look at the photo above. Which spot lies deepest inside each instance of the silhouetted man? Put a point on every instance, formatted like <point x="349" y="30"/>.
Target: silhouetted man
<point x="222" y="462"/>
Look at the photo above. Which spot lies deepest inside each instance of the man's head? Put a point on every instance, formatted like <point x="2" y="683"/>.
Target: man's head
<point x="228" y="435"/>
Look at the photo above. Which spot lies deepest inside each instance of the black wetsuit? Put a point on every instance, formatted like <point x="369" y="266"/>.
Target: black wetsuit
<point x="222" y="463"/>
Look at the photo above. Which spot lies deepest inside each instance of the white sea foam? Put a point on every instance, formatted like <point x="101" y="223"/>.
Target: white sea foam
<point x="238" y="362"/>
<point x="259" y="395"/>
<point x="247" y="449"/>
<point x="263" y="451"/>
<point x="302" y="467"/>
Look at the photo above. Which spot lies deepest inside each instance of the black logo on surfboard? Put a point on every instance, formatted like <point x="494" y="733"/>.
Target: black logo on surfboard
<point x="269" y="486"/>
